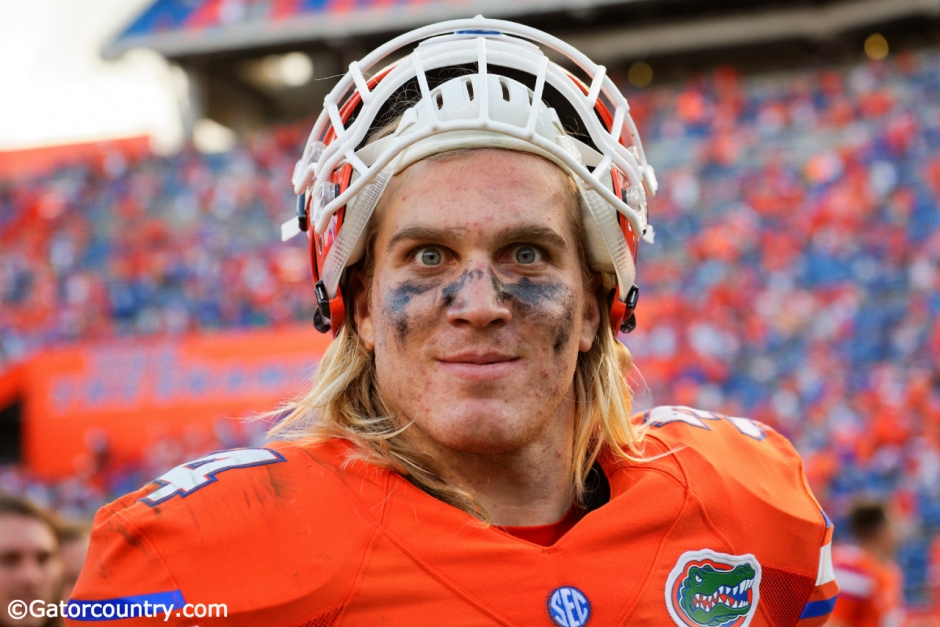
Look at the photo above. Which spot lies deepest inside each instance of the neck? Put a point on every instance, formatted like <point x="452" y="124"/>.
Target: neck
<point x="877" y="549"/>
<point x="528" y="486"/>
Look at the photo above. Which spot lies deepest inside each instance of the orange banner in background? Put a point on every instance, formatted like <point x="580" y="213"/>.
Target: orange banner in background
<point x="12" y="384"/>
<point x="37" y="161"/>
<point x="132" y="389"/>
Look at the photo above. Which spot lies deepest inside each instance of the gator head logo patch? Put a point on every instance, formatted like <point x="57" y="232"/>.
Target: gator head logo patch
<point x="709" y="589"/>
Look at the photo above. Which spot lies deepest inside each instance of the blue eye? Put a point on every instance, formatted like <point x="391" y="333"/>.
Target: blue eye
<point x="526" y="255"/>
<point x="430" y="256"/>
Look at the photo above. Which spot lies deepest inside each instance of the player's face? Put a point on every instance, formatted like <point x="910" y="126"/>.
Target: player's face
<point x="30" y="569"/>
<point x="477" y="308"/>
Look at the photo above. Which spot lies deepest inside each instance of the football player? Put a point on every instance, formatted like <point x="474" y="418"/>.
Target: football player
<point x="871" y="582"/>
<point x="466" y="455"/>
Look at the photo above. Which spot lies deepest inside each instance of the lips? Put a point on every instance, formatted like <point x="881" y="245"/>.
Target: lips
<point x="479" y="366"/>
<point x="477" y="358"/>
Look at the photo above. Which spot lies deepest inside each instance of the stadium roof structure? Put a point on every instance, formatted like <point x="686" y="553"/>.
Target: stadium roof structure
<point x="177" y="28"/>
<point x="190" y="28"/>
<point x="236" y="54"/>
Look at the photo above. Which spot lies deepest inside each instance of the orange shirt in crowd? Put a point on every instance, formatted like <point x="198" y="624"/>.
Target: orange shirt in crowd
<point x="871" y="592"/>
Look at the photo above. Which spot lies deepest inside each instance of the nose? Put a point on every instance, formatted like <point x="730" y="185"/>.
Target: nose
<point x="477" y="299"/>
<point x="30" y="573"/>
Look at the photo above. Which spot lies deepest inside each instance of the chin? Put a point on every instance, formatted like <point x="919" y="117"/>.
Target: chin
<point x="484" y="431"/>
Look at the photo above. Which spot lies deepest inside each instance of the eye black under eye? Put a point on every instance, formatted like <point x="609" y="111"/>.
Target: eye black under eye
<point x="430" y="256"/>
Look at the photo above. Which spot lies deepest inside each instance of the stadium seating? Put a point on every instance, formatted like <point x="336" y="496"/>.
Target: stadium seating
<point x="795" y="278"/>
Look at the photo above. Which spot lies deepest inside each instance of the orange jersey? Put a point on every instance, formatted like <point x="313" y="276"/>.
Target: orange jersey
<point x="719" y="529"/>
<point x="872" y="592"/>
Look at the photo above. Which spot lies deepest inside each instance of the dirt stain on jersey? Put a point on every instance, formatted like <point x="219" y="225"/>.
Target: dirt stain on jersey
<point x="279" y="487"/>
<point x="131" y="538"/>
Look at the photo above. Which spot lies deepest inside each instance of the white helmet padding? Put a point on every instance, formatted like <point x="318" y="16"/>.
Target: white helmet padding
<point x="477" y="110"/>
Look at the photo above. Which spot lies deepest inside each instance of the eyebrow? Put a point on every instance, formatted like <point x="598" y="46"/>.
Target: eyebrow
<point x="536" y="233"/>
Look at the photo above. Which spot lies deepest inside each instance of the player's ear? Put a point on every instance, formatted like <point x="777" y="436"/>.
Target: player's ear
<point x="362" y="315"/>
<point x="591" y="320"/>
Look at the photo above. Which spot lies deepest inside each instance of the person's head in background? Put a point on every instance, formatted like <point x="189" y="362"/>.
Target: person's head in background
<point x="73" y="537"/>
<point x="30" y="559"/>
<point x="872" y="527"/>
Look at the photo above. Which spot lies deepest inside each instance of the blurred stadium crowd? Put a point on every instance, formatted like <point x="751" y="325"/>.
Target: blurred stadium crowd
<point x="795" y="278"/>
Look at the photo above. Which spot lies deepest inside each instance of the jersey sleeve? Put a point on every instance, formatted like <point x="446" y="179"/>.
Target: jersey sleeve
<point x="125" y="578"/>
<point x="750" y="485"/>
<point x="821" y="603"/>
<point x="242" y="537"/>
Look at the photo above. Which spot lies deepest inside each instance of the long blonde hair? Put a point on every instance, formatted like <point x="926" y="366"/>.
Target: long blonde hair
<point x="345" y="402"/>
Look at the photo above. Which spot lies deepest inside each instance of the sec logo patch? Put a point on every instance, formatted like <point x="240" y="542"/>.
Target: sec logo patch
<point x="568" y="607"/>
<point x="709" y="589"/>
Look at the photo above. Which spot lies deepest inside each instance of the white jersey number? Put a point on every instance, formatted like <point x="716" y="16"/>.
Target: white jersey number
<point x="184" y="480"/>
<point x="660" y="416"/>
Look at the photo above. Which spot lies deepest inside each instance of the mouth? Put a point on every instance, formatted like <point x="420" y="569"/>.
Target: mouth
<point x="479" y="366"/>
<point x="477" y="358"/>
